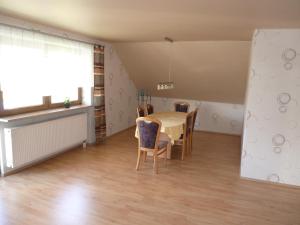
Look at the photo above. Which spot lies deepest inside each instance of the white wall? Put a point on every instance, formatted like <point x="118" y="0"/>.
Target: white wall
<point x="271" y="142"/>
<point x="120" y="94"/>
<point x="212" y="116"/>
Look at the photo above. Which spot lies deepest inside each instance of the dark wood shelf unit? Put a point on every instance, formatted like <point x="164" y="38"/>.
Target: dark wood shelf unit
<point x="99" y="94"/>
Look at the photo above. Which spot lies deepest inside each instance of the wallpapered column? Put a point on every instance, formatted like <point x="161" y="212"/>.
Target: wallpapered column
<point x="271" y="143"/>
<point x="120" y="94"/>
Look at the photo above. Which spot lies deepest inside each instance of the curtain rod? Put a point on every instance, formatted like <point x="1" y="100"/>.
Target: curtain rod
<point x="64" y="35"/>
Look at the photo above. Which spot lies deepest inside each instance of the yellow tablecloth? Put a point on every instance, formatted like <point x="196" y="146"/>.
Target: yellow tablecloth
<point x="171" y="123"/>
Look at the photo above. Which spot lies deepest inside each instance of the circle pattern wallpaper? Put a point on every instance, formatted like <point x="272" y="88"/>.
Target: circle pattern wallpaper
<point x="273" y="120"/>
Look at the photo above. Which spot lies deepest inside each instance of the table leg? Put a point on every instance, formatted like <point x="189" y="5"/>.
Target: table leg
<point x="169" y="150"/>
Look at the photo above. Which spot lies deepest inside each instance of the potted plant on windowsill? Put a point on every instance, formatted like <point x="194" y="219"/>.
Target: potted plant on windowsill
<point x="67" y="103"/>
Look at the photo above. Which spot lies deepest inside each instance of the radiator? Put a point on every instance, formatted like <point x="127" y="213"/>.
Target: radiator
<point x="26" y="144"/>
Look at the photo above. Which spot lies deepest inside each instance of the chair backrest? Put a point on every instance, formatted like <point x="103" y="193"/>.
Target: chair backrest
<point x="195" y="117"/>
<point x="148" y="131"/>
<point x="181" y="106"/>
<point x="150" y="109"/>
<point x="188" y="126"/>
<point x="140" y="111"/>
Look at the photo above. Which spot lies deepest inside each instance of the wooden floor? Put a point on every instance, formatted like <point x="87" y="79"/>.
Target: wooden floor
<point x="100" y="186"/>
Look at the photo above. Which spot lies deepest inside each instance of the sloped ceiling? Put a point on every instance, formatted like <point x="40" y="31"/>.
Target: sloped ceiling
<point x="212" y="47"/>
<point x="151" y="20"/>
<point x="203" y="70"/>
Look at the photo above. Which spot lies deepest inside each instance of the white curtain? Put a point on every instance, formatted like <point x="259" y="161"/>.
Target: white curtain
<point x="33" y="65"/>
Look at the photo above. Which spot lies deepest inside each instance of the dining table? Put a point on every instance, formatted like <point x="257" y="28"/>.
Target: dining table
<point x="171" y="126"/>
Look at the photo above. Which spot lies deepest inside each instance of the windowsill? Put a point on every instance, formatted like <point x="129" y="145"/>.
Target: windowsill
<point x="40" y="113"/>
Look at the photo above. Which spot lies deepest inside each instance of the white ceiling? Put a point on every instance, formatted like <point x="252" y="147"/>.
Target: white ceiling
<point x="151" y="20"/>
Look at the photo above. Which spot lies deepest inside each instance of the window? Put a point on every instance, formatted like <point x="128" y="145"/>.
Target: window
<point x="33" y="65"/>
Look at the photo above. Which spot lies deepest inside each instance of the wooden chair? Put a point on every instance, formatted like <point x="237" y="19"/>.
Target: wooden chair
<point x="181" y="106"/>
<point x="185" y="140"/>
<point x="150" y="109"/>
<point x="149" y="132"/>
<point x="140" y="111"/>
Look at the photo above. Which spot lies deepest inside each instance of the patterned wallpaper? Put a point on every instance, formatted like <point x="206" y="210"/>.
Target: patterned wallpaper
<point x="271" y="142"/>
<point x="212" y="116"/>
<point x="120" y="94"/>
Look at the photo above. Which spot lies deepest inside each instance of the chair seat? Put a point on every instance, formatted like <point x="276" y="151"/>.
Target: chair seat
<point x="162" y="144"/>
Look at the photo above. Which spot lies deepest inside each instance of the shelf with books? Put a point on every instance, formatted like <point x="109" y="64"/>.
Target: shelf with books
<point x="99" y="94"/>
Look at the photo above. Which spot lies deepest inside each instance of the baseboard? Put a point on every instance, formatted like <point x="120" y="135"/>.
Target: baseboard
<point x="120" y="131"/>
<point x="217" y="132"/>
<point x="282" y="185"/>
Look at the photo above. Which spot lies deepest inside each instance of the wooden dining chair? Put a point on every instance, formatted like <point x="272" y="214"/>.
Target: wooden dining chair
<point x="148" y="136"/>
<point x="185" y="140"/>
<point x="150" y="109"/>
<point x="140" y="111"/>
<point x="181" y="106"/>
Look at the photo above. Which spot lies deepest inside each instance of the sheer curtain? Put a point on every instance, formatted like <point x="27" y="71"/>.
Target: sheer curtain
<point x="33" y="65"/>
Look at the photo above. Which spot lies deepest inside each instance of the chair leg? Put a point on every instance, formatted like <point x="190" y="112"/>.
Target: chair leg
<point x="166" y="157"/>
<point x="188" y="146"/>
<point x="155" y="164"/>
<point x="138" y="160"/>
<point x="145" y="156"/>
<point x="192" y="142"/>
<point x="169" y="150"/>
<point x="183" y="150"/>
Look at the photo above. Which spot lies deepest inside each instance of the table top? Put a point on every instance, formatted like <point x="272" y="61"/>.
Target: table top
<point x="171" y="123"/>
<point x="170" y="119"/>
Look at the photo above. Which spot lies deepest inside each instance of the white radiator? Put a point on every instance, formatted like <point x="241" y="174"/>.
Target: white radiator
<point x="26" y="144"/>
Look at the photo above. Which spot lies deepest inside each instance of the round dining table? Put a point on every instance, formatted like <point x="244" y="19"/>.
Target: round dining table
<point x="171" y="123"/>
<point x="171" y="126"/>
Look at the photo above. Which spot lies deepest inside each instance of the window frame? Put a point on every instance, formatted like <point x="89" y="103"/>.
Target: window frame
<point x="47" y="104"/>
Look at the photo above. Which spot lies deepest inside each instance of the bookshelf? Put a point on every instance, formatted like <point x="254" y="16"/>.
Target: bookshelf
<point x="98" y="94"/>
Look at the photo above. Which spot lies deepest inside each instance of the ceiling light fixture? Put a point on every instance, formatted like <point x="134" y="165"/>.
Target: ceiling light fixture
<point x="169" y="84"/>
